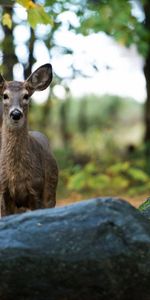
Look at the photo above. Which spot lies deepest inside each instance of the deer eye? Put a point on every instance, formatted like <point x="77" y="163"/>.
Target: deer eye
<point x="5" y="96"/>
<point x="26" y="97"/>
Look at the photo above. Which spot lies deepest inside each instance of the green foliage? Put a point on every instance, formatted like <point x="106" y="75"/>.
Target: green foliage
<point x="6" y="20"/>
<point x="96" y="161"/>
<point x="38" y="16"/>
<point x="145" y="205"/>
<point x="36" y="13"/>
<point x="138" y="175"/>
<point x="26" y="3"/>
<point x="119" y="178"/>
<point x="116" y="19"/>
<point x="112" y="16"/>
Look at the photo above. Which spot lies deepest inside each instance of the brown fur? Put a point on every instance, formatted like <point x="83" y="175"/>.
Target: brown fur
<point x="28" y="173"/>
<point x="1" y="113"/>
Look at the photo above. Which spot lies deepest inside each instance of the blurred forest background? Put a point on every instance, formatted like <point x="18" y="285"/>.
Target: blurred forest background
<point x="101" y="142"/>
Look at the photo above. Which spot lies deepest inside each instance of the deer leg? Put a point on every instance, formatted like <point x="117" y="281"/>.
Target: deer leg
<point x="8" y="206"/>
<point x="50" y="182"/>
<point x="2" y="206"/>
<point x="49" y="196"/>
<point x="49" y="192"/>
<point x="34" y="201"/>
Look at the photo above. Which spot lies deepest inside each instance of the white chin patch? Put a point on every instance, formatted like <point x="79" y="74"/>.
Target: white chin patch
<point x="16" y="124"/>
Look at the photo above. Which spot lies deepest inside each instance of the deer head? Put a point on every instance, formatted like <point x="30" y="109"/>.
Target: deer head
<point x="16" y="95"/>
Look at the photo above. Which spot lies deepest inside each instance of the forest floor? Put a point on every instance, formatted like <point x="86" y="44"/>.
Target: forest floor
<point x="75" y="197"/>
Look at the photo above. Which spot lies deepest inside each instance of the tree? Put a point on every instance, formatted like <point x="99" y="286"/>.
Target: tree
<point x="147" y="73"/>
<point x="114" y="17"/>
<point x="8" y="45"/>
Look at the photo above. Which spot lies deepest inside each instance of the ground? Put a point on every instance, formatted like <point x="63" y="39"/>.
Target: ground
<point x="75" y="197"/>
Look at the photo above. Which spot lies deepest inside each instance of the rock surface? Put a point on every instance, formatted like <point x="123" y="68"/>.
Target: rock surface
<point x="92" y="250"/>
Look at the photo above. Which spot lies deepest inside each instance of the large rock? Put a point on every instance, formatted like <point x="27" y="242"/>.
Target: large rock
<point x="93" y="250"/>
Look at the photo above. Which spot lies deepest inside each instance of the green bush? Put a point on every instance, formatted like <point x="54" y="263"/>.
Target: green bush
<point x="92" y="139"/>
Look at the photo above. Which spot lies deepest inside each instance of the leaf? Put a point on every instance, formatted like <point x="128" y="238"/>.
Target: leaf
<point x="36" y="13"/>
<point x="77" y="181"/>
<point x="145" y="205"/>
<point x="27" y="3"/>
<point x="38" y="16"/>
<point x="138" y="175"/>
<point x="119" y="167"/>
<point x="119" y="183"/>
<point x="6" y="20"/>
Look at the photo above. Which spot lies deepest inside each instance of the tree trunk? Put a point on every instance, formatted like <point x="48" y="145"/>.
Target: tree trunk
<point x="31" y="60"/>
<point x="147" y="104"/>
<point x="147" y="77"/>
<point x="93" y="250"/>
<point x="64" y="128"/>
<point x="9" y="57"/>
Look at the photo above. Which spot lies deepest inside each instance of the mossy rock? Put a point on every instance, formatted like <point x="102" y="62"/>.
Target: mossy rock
<point x="145" y="208"/>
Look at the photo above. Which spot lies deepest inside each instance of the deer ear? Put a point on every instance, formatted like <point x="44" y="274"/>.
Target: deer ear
<point x="2" y="82"/>
<point x="40" y="79"/>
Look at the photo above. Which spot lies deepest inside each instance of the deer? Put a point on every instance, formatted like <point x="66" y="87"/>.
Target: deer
<point x="28" y="169"/>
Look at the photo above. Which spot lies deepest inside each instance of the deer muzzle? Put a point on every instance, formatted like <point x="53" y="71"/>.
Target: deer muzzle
<point x="16" y="114"/>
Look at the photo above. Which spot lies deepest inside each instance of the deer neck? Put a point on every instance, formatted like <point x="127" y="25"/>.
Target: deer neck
<point x="14" y="160"/>
<point x="14" y="143"/>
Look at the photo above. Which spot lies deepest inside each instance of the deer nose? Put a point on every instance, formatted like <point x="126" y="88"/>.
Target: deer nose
<point x="16" y="114"/>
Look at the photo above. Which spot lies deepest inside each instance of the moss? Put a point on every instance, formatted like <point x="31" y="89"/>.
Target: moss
<point x="145" y="208"/>
<point x="146" y="205"/>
